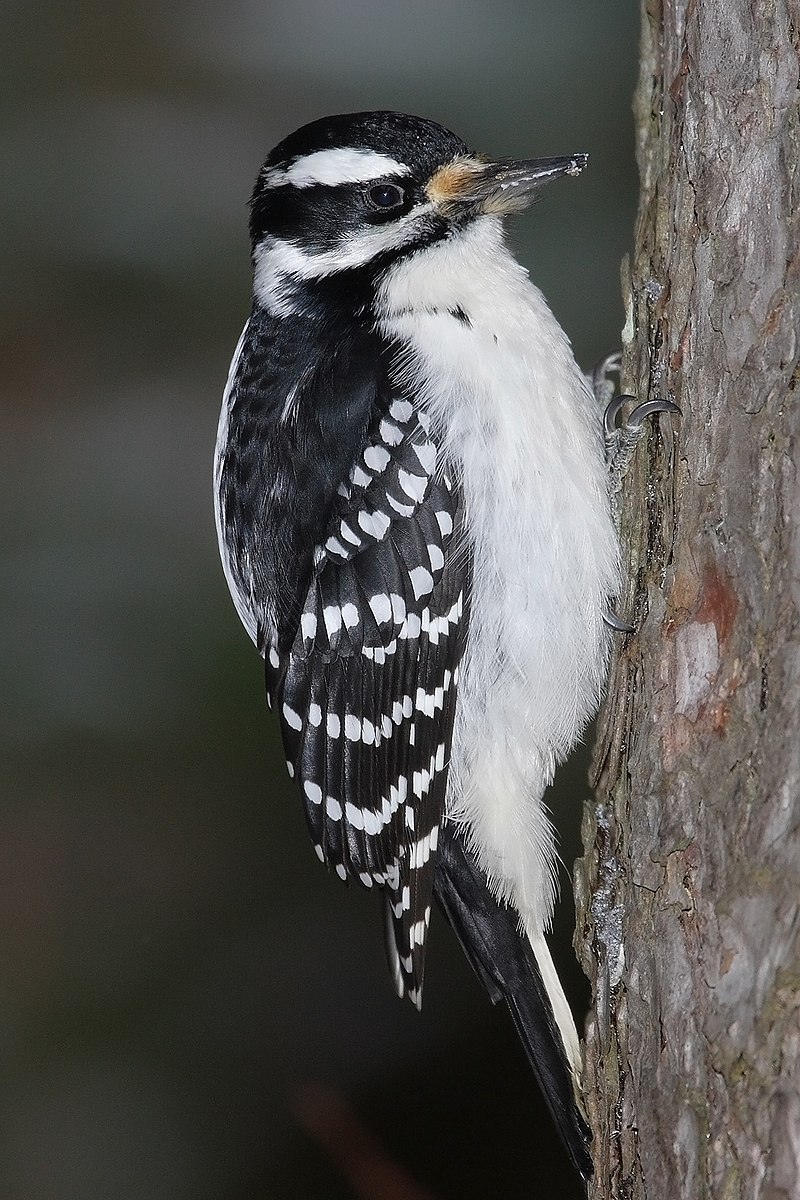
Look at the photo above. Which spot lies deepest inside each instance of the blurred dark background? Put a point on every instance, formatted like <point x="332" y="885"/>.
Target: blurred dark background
<point x="175" y="966"/>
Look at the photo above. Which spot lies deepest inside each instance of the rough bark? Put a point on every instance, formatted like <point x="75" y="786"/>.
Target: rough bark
<point x="689" y="892"/>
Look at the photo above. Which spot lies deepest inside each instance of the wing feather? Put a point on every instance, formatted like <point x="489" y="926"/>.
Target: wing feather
<point x="366" y="689"/>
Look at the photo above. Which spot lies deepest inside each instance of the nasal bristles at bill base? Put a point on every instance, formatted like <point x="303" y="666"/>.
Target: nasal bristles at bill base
<point x="454" y="181"/>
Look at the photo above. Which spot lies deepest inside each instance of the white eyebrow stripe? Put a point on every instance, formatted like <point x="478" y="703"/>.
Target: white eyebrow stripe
<point x="340" y="165"/>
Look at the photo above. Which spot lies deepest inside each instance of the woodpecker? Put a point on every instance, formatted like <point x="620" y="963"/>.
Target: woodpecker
<point x="414" y="523"/>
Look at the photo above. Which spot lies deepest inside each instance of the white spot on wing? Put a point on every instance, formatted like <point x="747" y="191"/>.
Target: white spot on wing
<point x="390" y="433"/>
<point x="416" y="934"/>
<point x="350" y="615"/>
<point x="411" y="627"/>
<point x="347" y="533"/>
<point x="352" y="727"/>
<point x="381" y="607"/>
<point x="400" y="410"/>
<point x="377" y="458"/>
<point x="354" y="815"/>
<point x="333" y="808"/>
<point x="426" y="453"/>
<point x="414" y="486"/>
<point x="445" y="523"/>
<point x="419" y="853"/>
<point x="332" y="616"/>
<point x="398" y="608"/>
<point x="292" y="719"/>
<point x="374" y="523"/>
<point x="313" y="791"/>
<point x="405" y="510"/>
<point x="421" y="581"/>
<point x="372" y="822"/>
<point x="360" y="477"/>
<point x="436" y="557"/>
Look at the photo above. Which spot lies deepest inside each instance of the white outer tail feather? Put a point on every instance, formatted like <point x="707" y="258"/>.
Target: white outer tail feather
<point x="561" y="1009"/>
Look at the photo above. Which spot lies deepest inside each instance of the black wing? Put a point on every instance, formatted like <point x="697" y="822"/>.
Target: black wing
<point x="366" y="691"/>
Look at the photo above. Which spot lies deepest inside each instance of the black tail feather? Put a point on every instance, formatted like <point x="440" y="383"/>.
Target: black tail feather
<point x="506" y="965"/>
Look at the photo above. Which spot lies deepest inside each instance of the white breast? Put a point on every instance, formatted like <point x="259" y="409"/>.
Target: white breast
<point x="525" y="434"/>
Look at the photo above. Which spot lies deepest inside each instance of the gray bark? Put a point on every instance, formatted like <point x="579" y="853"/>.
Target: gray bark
<point x="689" y="892"/>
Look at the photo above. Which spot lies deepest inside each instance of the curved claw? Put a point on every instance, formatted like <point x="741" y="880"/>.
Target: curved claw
<point x="616" y="623"/>
<point x="610" y="365"/>
<point x="613" y="409"/>
<point x="648" y="407"/>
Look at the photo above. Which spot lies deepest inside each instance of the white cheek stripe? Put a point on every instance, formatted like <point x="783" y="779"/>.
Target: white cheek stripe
<point x="277" y="262"/>
<point x="346" y="164"/>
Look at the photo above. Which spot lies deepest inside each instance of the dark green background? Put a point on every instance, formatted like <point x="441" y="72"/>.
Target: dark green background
<point x="175" y="964"/>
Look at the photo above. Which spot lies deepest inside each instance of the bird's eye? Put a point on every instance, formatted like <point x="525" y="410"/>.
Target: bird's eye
<point x="386" y="195"/>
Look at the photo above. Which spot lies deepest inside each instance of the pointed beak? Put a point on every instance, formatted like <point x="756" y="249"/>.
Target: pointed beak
<point x="507" y="185"/>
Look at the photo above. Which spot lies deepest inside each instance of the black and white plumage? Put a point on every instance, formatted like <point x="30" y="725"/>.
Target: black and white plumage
<point x="414" y="525"/>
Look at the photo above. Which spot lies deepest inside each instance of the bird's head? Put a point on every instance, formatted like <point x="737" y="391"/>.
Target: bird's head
<point x="358" y="191"/>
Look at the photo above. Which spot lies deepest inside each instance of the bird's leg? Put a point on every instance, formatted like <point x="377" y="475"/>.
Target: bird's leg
<point x="621" y="439"/>
<point x="605" y="376"/>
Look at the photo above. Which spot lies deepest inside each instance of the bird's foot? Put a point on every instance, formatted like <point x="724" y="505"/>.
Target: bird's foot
<point x="621" y="441"/>
<point x="617" y="623"/>
<point x="605" y="376"/>
<point x="621" y="438"/>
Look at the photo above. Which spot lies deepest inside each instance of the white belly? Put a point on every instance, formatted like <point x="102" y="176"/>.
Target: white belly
<point x="525" y="436"/>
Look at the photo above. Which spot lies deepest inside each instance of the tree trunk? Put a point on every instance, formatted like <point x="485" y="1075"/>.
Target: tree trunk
<point x="689" y="892"/>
